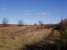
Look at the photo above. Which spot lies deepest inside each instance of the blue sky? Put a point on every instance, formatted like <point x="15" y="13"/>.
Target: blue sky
<point x="32" y="11"/>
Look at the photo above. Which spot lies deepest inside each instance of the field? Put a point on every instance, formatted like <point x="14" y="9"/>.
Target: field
<point x="15" y="37"/>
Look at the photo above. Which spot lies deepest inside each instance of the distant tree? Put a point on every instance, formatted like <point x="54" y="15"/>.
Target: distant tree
<point x="35" y="24"/>
<point x="40" y="23"/>
<point x="65" y="21"/>
<point x="5" y="22"/>
<point x="63" y="24"/>
<point x="20" y="23"/>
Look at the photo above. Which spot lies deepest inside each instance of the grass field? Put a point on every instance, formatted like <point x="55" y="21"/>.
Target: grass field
<point x="13" y="38"/>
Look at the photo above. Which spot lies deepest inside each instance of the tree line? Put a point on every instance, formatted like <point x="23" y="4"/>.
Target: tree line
<point x="5" y="22"/>
<point x="62" y="23"/>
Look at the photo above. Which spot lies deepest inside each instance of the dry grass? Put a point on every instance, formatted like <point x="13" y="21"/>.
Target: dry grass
<point x="13" y="38"/>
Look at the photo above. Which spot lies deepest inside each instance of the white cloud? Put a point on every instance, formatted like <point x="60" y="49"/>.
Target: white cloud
<point x="35" y="13"/>
<point x="42" y="14"/>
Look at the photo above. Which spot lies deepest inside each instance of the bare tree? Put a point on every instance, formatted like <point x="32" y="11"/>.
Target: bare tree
<point x="40" y="23"/>
<point x="20" y="23"/>
<point x="5" y="22"/>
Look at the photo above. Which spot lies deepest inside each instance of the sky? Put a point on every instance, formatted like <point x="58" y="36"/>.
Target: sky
<point x="32" y="11"/>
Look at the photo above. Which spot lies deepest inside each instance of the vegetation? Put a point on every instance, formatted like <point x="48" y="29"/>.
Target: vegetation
<point x="20" y="23"/>
<point x="33" y="37"/>
<point x="5" y="22"/>
<point x="60" y="43"/>
<point x="40" y="23"/>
